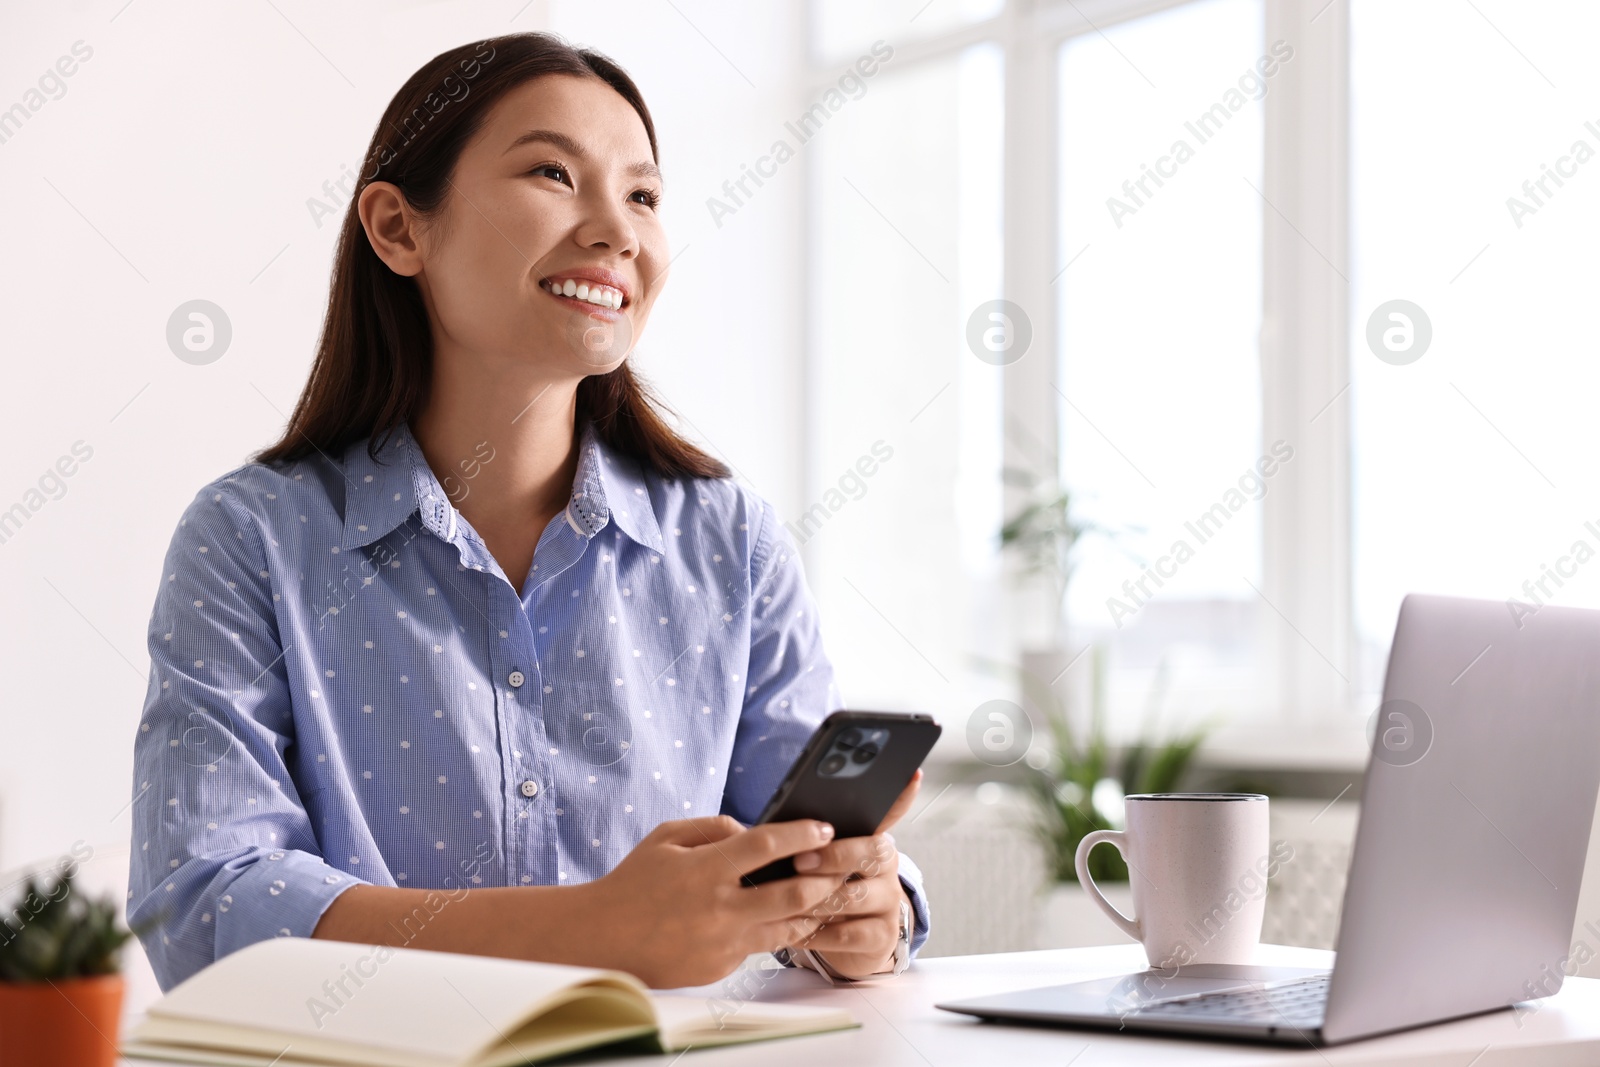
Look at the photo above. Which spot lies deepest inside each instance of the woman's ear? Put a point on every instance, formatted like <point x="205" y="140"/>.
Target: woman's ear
<point x="391" y="227"/>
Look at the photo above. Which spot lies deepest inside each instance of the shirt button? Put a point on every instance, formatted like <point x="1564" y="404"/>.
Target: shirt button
<point x="516" y="678"/>
<point x="530" y="788"/>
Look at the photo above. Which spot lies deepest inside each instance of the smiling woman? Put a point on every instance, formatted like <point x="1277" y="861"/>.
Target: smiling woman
<point x="586" y="675"/>
<point x="378" y="346"/>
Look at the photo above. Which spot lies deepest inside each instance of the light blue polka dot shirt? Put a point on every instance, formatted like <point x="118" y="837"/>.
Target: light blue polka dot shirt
<point x="345" y="688"/>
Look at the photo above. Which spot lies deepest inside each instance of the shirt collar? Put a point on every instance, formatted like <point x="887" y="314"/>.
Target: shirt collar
<point x="610" y="485"/>
<point x="380" y="496"/>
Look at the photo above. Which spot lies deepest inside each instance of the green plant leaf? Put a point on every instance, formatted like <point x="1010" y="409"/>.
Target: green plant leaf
<point x="56" y="933"/>
<point x="1169" y="764"/>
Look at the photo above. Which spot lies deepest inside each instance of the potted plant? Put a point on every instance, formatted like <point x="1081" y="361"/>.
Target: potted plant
<point x="60" y="977"/>
<point x="1078" y="787"/>
<point x="1078" y="784"/>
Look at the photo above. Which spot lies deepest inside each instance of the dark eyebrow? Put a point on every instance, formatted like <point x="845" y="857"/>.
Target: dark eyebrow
<point x="568" y="145"/>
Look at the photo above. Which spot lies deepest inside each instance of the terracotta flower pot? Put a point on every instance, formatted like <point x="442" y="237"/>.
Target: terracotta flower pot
<point x="71" y="1023"/>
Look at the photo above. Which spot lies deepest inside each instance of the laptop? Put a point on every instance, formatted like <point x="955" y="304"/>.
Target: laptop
<point x="1463" y="884"/>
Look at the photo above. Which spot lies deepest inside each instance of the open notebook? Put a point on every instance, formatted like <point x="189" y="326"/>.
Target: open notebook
<point x="295" y="1000"/>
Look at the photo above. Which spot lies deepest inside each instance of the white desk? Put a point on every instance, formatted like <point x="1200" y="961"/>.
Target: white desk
<point x="900" y="1025"/>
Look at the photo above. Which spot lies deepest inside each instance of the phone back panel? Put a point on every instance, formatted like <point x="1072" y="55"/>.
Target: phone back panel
<point x="855" y="797"/>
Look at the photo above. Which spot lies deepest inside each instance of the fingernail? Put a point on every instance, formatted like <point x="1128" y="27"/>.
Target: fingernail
<point x="825" y="831"/>
<point x="807" y="861"/>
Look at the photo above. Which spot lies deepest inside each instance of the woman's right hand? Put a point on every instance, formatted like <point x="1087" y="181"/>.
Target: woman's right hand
<point x="675" y="912"/>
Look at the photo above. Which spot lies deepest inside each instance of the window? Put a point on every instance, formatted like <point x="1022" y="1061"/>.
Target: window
<point x="1471" y="471"/>
<point x="1160" y="186"/>
<point x="905" y="504"/>
<point x="1159" y="149"/>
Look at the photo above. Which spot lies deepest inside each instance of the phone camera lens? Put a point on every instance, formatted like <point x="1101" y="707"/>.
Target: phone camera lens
<point x="850" y="738"/>
<point x="865" y="753"/>
<point x="833" y="764"/>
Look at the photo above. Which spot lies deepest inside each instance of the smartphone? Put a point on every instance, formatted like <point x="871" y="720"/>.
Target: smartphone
<point x="852" y="770"/>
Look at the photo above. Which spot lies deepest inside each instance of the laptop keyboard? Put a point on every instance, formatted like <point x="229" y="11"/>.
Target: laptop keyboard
<point x="1296" y="1004"/>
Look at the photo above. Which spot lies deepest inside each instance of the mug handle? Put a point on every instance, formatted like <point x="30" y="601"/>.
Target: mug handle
<point x="1080" y="863"/>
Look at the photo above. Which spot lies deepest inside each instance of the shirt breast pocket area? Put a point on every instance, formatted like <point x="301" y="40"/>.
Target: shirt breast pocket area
<point x="589" y="723"/>
<point x="681" y="737"/>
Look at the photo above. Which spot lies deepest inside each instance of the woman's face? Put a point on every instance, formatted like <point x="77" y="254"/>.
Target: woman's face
<point x="549" y="248"/>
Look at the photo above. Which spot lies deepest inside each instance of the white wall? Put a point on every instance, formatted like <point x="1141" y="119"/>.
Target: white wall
<point x="177" y="165"/>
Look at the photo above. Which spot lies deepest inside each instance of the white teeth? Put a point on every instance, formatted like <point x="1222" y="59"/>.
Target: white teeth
<point x="600" y="295"/>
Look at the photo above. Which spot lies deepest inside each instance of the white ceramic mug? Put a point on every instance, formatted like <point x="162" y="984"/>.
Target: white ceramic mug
<point x="1198" y="865"/>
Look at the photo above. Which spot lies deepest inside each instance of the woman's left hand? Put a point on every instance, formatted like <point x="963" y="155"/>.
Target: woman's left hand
<point x="862" y="918"/>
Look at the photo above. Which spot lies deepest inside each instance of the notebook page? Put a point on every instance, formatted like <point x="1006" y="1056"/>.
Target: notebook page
<point x="437" y="1005"/>
<point x="697" y="1021"/>
<point x="594" y="1016"/>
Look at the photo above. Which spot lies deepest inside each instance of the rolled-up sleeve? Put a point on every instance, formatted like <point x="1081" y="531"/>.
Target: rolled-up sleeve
<point x="223" y="853"/>
<point x="790" y="688"/>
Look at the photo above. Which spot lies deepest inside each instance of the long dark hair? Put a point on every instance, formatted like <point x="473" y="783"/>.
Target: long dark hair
<point x="375" y="357"/>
